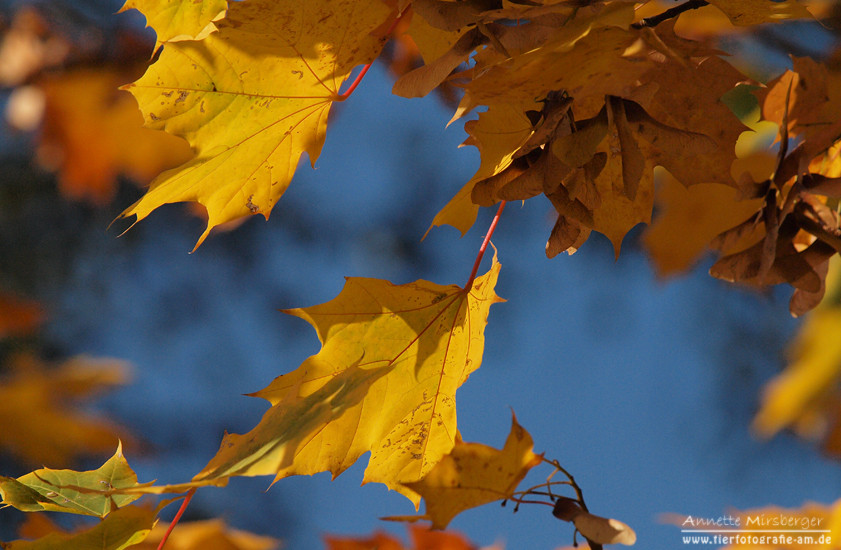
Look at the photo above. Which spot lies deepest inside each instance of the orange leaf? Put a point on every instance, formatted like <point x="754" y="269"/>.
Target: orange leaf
<point x="93" y="132"/>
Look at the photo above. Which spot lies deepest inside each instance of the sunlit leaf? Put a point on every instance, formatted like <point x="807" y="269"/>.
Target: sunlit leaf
<point x="123" y="528"/>
<point x="90" y="493"/>
<point x="175" y="20"/>
<point x="251" y="98"/>
<point x="384" y="381"/>
<point x="474" y="474"/>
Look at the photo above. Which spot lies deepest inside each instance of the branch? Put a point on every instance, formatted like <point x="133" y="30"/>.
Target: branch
<point x="655" y="20"/>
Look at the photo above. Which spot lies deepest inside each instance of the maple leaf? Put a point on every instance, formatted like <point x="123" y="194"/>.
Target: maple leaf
<point x="474" y="474"/>
<point x="176" y="20"/>
<point x="586" y="57"/>
<point x="378" y="541"/>
<point x="251" y="98"/>
<point x="689" y="219"/>
<point x="498" y="133"/>
<point x="40" y="421"/>
<point x="91" y="493"/>
<point x="212" y="534"/>
<point x="392" y="358"/>
<point x="92" y="132"/>
<point x="800" y="228"/>
<point x="802" y="395"/>
<point x="122" y="528"/>
<point x="689" y="97"/>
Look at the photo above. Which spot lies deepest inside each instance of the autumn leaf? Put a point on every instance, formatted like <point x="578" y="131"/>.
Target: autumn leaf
<point x="814" y="102"/>
<point x="689" y="218"/>
<point x="384" y="381"/>
<point x="123" y="528"/>
<point x="596" y="529"/>
<point x="498" y="133"/>
<point x="378" y="541"/>
<point x="39" y="409"/>
<point x="251" y="98"/>
<point x="801" y="396"/>
<point x="92" y="132"/>
<point x="212" y="534"/>
<point x="586" y="57"/>
<point x="91" y="493"/>
<point x="176" y="20"/>
<point x="473" y="474"/>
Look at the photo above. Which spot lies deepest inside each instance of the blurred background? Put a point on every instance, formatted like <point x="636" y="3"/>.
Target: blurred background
<point x="643" y="387"/>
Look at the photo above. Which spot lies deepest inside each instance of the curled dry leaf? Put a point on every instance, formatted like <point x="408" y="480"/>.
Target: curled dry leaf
<point x="594" y="528"/>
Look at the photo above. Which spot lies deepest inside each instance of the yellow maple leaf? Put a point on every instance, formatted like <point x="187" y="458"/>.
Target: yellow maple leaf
<point x="175" y="20"/>
<point x="392" y="358"/>
<point x="251" y="98"/>
<point x="797" y="396"/>
<point x="498" y="133"/>
<point x="587" y="58"/>
<point x="212" y="534"/>
<point x="121" y="529"/>
<point x="474" y="474"/>
<point x="689" y="218"/>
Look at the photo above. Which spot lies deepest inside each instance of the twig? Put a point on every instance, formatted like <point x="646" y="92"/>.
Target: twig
<point x="484" y="246"/>
<point x="364" y="71"/>
<point x="177" y="517"/>
<point x="655" y="20"/>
